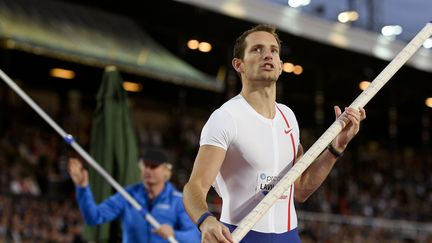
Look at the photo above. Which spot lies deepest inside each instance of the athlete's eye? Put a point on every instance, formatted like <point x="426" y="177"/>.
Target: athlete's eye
<point x="257" y="49"/>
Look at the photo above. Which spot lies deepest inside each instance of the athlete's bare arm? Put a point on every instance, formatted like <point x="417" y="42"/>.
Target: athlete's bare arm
<point x="206" y="167"/>
<point x="316" y="173"/>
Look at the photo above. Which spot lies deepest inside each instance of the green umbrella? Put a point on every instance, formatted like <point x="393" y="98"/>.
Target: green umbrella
<point x="113" y="144"/>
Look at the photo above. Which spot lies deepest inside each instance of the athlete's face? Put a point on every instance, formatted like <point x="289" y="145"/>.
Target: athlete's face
<point x="261" y="61"/>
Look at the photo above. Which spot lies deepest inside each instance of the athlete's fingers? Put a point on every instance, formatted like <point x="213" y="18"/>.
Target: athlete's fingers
<point x="353" y="117"/>
<point x="208" y="239"/>
<point x="337" y="111"/>
<point x="362" y="114"/>
<point x="227" y="234"/>
<point x="223" y="235"/>
<point x="212" y="238"/>
<point x="358" y="115"/>
<point x="214" y="231"/>
<point x="222" y="239"/>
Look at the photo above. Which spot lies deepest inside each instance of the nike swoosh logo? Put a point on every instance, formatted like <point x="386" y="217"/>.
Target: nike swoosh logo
<point x="288" y="130"/>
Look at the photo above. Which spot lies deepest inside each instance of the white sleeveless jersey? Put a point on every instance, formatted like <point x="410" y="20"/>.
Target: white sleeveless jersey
<point x="259" y="152"/>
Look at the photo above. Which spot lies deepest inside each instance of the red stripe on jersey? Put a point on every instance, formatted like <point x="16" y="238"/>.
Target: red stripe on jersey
<point x="286" y="120"/>
<point x="294" y="157"/>
<point x="291" y="187"/>
<point x="289" y="208"/>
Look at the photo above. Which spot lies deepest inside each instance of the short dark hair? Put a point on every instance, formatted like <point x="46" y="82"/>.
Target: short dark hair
<point x="240" y="44"/>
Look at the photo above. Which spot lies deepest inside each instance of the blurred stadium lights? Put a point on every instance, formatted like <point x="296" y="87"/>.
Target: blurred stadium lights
<point x="348" y="16"/>
<point x="62" y="73"/>
<point x="132" y="86"/>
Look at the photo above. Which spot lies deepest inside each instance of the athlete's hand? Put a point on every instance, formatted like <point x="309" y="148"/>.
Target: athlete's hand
<point x="165" y="231"/>
<point x="214" y="231"/>
<point x="352" y="118"/>
<point x="77" y="172"/>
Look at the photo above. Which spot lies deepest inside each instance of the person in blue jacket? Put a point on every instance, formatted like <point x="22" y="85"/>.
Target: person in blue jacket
<point x="155" y="194"/>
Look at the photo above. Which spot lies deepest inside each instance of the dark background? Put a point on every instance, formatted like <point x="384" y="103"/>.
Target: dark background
<point x="334" y="72"/>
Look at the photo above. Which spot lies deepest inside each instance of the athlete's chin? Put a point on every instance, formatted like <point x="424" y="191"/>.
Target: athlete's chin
<point x="269" y="79"/>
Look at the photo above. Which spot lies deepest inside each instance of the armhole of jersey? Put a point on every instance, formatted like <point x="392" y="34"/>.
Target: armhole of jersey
<point x="234" y="138"/>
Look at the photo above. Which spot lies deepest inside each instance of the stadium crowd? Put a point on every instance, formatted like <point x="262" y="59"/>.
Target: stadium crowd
<point x="37" y="201"/>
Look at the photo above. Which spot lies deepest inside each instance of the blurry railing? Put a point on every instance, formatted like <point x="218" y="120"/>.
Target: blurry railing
<point x="398" y="229"/>
<point x="325" y="227"/>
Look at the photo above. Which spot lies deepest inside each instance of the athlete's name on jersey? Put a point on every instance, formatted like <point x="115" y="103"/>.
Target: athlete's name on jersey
<point x="265" y="188"/>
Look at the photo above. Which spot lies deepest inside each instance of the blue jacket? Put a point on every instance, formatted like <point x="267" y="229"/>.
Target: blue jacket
<point x="166" y="208"/>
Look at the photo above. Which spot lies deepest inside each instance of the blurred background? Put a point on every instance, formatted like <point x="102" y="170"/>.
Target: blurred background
<point x="175" y="58"/>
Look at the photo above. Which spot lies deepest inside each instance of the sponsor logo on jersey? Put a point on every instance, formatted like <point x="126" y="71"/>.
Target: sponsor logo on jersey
<point x="267" y="182"/>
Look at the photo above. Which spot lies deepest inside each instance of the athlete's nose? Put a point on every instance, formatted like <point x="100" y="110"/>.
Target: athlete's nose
<point x="267" y="55"/>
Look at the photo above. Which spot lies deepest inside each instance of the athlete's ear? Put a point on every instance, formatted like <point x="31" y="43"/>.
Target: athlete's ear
<point x="237" y="64"/>
<point x="281" y="67"/>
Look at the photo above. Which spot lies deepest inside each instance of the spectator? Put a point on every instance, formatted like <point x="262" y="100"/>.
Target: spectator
<point x="156" y="195"/>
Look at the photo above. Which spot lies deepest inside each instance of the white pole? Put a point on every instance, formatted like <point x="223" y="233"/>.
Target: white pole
<point x="70" y="140"/>
<point x="300" y="166"/>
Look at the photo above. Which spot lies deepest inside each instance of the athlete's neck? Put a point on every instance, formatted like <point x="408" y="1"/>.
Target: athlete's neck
<point x="261" y="100"/>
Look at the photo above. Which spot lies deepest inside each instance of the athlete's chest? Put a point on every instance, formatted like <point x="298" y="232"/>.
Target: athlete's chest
<point x="266" y="145"/>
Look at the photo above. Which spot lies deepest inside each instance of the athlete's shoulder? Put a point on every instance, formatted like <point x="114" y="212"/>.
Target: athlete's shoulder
<point x="284" y="108"/>
<point x="234" y="101"/>
<point x="228" y="109"/>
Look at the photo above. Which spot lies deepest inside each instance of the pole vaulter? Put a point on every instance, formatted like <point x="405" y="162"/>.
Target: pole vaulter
<point x="315" y="150"/>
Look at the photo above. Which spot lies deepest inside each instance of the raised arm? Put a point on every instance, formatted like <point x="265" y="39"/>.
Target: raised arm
<point x="316" y="173"/>
<point x="92" y="212"/>
<point x="78" y="173"/>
